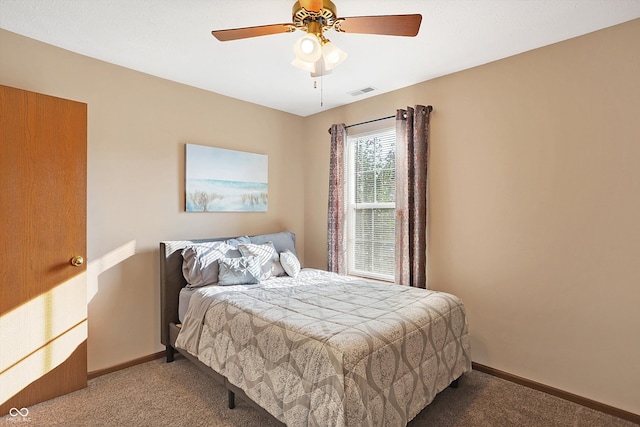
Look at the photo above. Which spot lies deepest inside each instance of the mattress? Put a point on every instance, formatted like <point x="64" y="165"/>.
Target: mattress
<point x="325" y="349"/>
<point x="183" y="301"/>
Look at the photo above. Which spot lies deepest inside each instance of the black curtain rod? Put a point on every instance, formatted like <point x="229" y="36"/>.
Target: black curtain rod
<point x="371" y="121"/>
<point x="367" y="122"/>
<point x="429" y="107"/>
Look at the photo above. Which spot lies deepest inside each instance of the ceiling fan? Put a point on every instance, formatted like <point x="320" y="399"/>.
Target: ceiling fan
<point x="314" y="52"/>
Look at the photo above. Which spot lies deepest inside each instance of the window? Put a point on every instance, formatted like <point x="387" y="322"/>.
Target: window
<point x="371" y="193"/>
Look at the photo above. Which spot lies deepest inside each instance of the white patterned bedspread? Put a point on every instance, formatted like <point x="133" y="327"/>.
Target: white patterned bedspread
<point x="329" y="350"/>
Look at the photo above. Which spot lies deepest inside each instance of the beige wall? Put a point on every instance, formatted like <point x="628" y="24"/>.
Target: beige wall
<point x="534" y="197"/>
<point x="535" y="208"/>
<point x="137" y="128"/>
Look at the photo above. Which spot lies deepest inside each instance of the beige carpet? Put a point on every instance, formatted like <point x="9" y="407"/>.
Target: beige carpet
<point x="179" y="394"/>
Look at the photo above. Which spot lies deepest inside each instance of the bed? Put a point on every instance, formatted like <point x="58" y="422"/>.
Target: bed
<point x="314" y="349"/>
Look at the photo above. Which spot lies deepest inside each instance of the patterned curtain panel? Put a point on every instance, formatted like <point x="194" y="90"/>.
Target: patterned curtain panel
<point x="412" y="155"/>
<point x="336" y="236"/>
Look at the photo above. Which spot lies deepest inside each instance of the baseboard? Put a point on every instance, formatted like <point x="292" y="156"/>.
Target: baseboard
<point x="94" y="374"/>
<point x="610" y="410"/>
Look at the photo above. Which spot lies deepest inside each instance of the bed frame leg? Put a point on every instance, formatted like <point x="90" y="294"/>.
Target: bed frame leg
<point x="455" y="383"/>
<point x="169" y="352"/>
<point x="232" y="400"/>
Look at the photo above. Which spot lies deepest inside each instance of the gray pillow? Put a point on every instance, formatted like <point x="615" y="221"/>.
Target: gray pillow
<point x="281" y="241"/>
<point x="269" y="259"/>
<point x="239" y="271"/>
<point x="200" y="263"/>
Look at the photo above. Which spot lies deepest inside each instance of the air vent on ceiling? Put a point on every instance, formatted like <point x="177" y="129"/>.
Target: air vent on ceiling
<point x="363" y="91"/>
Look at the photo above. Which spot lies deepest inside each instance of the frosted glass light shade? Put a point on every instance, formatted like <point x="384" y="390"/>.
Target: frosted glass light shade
<point x="308" y="48"/>
<point x="307" y="66"/>
<point x="332" y="55"/>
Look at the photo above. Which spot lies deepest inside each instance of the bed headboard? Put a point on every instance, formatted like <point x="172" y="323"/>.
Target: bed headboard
<point x="172" y="279"/>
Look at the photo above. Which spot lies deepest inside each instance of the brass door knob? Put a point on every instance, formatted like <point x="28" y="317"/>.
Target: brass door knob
<point x="77" y="261"/>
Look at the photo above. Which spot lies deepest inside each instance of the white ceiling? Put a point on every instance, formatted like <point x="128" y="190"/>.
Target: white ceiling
<point x="172" y="39"/>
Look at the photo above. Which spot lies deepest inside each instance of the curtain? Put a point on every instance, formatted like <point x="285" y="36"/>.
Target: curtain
<point x="336" y="235"/>
<point x="412" y="155"/>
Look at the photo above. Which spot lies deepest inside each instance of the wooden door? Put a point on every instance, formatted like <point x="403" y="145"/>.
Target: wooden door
<point x="43" y="302"/>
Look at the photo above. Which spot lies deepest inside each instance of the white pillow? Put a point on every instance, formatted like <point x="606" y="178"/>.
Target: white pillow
<point x="200" y="263"/>
<point x="290" y="263"/>
<point x="269" y="260"/>
<point x="239" y="271"/>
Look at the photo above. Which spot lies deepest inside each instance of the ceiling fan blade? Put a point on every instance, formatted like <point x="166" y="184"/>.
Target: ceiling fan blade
<point x="311" y="5"/>
<point x="244" y="33"/>
<point x="390" y="25"/>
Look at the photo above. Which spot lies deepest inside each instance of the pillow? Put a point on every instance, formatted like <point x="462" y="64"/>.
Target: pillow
<point x="290" y="263"/>
<point x="239" y="271"/>
<point x="266" y="253"/>
<point x="200" y="263"/>
<point x="281" y="241"/>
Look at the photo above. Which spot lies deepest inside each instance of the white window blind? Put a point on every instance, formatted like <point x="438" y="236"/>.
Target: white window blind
<point x="371" y="180"/>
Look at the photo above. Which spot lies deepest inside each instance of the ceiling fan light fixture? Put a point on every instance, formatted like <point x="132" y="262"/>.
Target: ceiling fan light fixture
<point x="308" y="48"/>
<point x="319" y="69"/>
<point x="307" y="66"/>
<point x="332" y="55"/>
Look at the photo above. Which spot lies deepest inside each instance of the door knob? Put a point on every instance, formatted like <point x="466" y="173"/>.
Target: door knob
<point x="77" y="261"/>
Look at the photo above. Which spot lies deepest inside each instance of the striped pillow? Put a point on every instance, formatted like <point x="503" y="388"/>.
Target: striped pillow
<point x="269" y="259"/>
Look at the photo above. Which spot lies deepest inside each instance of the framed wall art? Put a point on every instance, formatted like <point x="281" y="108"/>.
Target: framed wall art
<point x="221" y="180"/>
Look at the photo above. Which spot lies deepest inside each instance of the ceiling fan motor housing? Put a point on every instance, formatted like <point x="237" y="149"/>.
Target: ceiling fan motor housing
<point x="326" y="17"/>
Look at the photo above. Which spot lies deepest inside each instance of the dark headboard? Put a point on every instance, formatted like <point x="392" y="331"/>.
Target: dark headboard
<point x="172" y="280"/>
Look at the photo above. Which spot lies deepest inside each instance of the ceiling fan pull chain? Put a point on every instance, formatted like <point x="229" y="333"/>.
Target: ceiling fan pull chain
<point x="315" y="86"/>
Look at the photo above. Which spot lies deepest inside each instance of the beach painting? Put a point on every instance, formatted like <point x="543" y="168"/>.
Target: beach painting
<point x="220" y="180"/>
